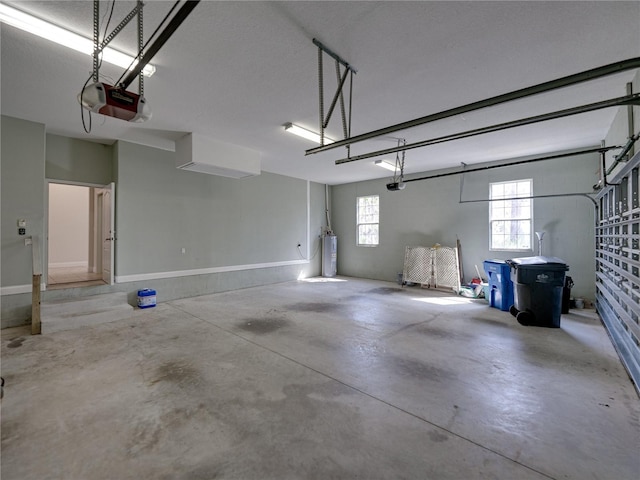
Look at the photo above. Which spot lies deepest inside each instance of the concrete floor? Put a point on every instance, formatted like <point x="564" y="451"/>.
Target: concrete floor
<point x="327" y="380"/>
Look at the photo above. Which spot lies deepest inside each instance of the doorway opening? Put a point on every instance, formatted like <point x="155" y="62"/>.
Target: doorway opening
<point x="79" y="239"/>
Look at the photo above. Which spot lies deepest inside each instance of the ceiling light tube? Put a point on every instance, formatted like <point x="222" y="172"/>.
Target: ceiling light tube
<point x="386" y="164"/>
<point x="53" y="33"/>
<point x="304" y="133"/>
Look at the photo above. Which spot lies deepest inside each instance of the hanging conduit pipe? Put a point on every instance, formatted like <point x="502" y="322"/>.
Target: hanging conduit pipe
<point x="326" y="208"/>
<point x="533" y="197"/>
<point x="611" y="69"/>
<point x="553" y="195"/>
<point x="519" y="162"/>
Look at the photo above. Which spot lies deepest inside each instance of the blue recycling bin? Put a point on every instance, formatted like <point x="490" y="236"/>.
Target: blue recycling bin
<point x="500" y="284"/>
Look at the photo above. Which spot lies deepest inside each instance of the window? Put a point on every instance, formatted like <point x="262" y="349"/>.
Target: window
<point x="368" y="220"/>
<point x="510" y="220"/>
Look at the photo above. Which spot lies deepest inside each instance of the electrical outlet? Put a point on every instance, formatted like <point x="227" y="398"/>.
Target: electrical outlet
<point x="183" y="250"/>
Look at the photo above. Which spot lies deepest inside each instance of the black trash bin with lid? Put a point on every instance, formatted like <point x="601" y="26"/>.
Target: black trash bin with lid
<point x="538" y="286"/>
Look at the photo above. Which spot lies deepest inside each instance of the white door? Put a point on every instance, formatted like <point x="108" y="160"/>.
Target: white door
<point x="106" y="202"/>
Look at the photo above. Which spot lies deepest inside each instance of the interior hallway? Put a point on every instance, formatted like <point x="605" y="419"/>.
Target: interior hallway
<point x="70" y="277"/>
<point x="302" y="380"/>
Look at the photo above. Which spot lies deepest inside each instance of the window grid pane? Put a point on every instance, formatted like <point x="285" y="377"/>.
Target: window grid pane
<point x="510" y="220"/>
<point x="368" y="218"/>
<point x="368" y="234"/>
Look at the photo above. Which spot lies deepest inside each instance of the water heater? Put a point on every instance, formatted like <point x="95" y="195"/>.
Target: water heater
<point x="329" y="255"/>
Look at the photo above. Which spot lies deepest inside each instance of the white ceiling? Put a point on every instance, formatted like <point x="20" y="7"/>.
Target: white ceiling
<point x="237" y="71"/>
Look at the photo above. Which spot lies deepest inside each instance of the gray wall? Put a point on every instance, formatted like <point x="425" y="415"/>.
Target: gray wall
<point x="222" y="223"/>
<point x="74" y="160"/>
<point x="428" y="212"/>
<point x="219" y="221"/>
<point x="22" y="167"/>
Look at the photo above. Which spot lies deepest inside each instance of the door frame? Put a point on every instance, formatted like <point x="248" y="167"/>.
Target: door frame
<point x="98" y="205"/>
<point x="47" y="182"/>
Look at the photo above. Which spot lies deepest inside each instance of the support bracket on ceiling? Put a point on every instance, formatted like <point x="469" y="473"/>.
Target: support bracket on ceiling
<point x="630" y="119"/>
<point x="625" y="154"/>
<point x="143" y="57"/>
<point x="98" y="46"/>
<point x="627" y="150"/>
<point x="341" y="78"/>
<point x="397" y="182"/>
<point x="159" y="42"/>
<point x="119" y="27"/>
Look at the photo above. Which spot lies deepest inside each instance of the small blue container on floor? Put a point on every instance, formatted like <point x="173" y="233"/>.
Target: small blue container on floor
<point x="146" y="298"/>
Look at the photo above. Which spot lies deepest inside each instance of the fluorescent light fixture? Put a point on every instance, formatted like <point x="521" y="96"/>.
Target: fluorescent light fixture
<point x="28" y="23"/>
<point x="304" y="133"/>
<point x="386" y="164"/>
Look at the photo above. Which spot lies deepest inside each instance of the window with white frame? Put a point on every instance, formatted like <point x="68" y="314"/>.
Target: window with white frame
<point x="368" y="219"/>
<point x="510" y="220"/>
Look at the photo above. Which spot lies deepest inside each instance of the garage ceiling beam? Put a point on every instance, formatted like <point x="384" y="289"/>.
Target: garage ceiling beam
<point x="606" y="70"/>
<point x="627" y="100"/>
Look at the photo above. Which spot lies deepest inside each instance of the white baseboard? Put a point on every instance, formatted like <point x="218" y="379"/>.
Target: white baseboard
<point x="204" y="271"/>
<point x="69" y="264"/>
<point x="17" y="289"/>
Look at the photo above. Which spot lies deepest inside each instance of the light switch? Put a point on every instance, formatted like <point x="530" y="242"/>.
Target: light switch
<point x="22" y="223"/>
